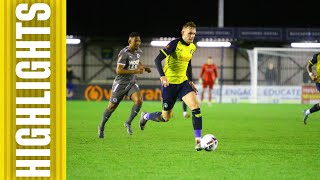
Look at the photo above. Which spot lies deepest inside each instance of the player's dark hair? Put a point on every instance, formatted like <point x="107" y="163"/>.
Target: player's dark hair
<point x="189" y="24"/>
<point x="134" y="34"/>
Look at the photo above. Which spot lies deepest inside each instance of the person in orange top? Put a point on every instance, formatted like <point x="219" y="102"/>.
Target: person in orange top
<point x="208" y="76"/>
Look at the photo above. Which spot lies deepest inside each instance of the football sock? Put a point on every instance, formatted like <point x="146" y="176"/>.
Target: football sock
<point x="197" y="133"/>
<point x="134" y="111"/>
<point x="184" y="106"/>
<point x="315" y="108"/>
<point x="155" y="116"/>
<point x="307" y="112"/>
<point x="197" y="122"/>
<point x="106" y="115"/>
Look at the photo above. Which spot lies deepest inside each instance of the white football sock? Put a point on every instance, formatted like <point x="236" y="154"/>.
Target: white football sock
<point x="307" y="112"/>
<point x="185" y="113"/>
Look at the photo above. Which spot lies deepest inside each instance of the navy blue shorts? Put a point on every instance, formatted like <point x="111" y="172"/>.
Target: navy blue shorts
<point x="172" y="92"/>
<point x="318" y="87"/>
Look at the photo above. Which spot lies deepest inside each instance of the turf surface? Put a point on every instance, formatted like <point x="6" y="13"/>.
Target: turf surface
<point x="260" y="141"/>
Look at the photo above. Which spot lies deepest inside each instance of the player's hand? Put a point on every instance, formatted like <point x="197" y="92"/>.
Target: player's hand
<point x="164" y="81"/>
<point x="314" y="78"/>
<point x="200" y="80"/>
<point x="193" y="87"/>
<point x="217" y="81"/>
<point x="147" y="69"/>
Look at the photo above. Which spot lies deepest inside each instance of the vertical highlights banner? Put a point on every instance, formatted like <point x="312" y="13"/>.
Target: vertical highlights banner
<point x="33" y="89"/>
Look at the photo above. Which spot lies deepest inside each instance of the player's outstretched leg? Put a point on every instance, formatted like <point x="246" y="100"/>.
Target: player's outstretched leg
<point x="155" y="116"/>
<point x="307" y="112"/>
<point x="142" y="121"/>
<point x="305" y="116"/>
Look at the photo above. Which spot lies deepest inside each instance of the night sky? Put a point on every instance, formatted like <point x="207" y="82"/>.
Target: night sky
<point x="117" y="18"/>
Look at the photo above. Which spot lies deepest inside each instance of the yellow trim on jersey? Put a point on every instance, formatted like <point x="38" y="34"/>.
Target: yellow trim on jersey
<point x="164" y="52"/>
<point x="318" y="65"/>
<point x="177" y="62"/>
<point x="310" y="62"/>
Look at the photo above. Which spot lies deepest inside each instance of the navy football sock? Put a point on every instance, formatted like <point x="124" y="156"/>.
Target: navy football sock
<point x="155" y="116"/>
<point x="197" y="122"/>
<point x="315" y="108"/>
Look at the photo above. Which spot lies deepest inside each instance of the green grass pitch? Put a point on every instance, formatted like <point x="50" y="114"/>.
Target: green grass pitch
<point x="256" y="141"/>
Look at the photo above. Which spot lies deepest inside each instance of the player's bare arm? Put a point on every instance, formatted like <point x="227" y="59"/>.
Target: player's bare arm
<point x="147" y="69"/>
<point x="120" y="70"/>
<point x="312" y="76"/>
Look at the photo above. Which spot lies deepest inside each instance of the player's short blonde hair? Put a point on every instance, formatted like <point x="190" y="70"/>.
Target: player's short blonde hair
<point x="189" y="24"/>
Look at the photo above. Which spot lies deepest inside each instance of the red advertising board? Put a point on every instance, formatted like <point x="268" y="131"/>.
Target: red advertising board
<point x="310" y="95"/>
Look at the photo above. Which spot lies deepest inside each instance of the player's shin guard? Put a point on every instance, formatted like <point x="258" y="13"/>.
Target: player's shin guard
<point x="156" y="116"/>
<point x="134" y="111"/>
<point x="315" y="108"/>
<point x="106" y="115"/>
<point x="197" y="122"/>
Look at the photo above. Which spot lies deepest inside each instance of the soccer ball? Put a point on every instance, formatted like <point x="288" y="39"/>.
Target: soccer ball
<point x="209" y="142"/>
